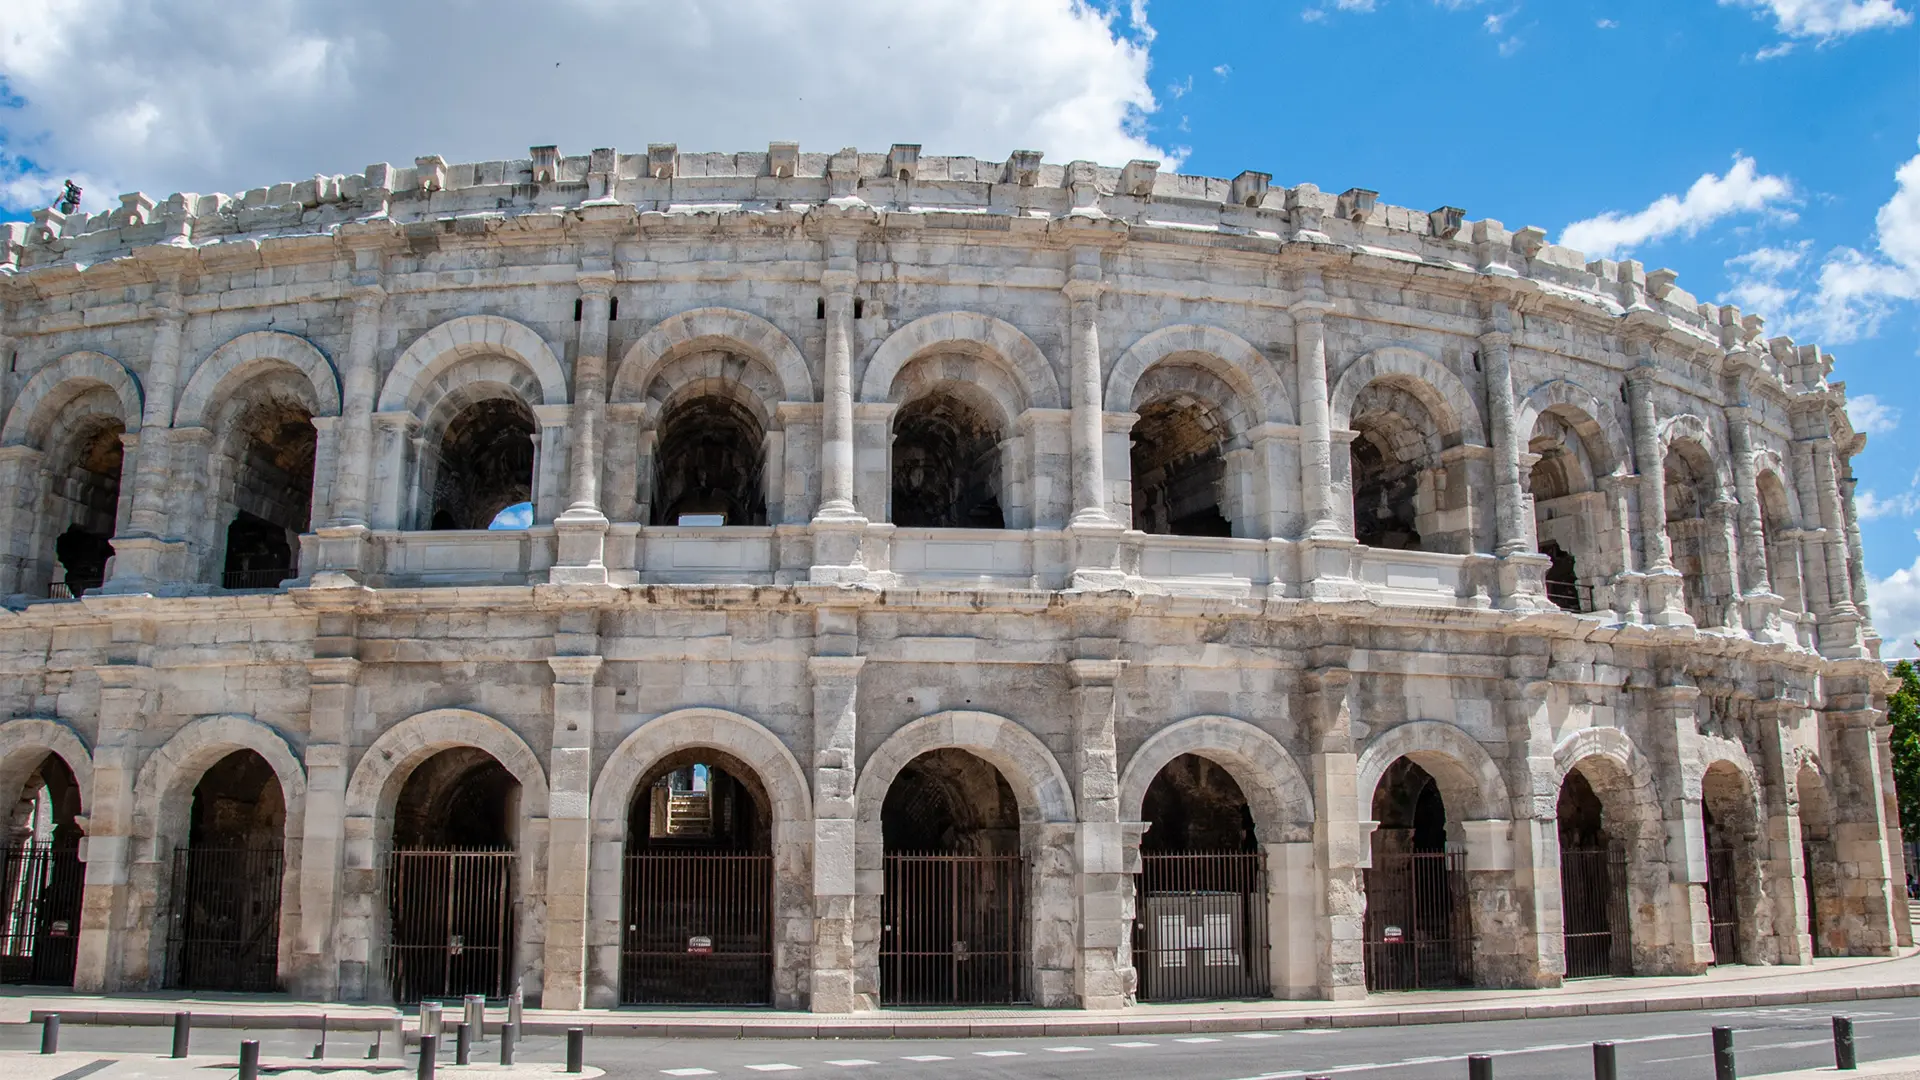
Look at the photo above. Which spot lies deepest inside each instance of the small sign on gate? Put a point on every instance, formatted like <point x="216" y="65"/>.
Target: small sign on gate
<point x="60" y="928"/>
<point x="457" y="944"/>
<point x="1393" y="935"/>
<point x="699" y="946"/>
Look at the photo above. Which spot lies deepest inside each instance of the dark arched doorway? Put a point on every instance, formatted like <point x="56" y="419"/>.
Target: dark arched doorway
<point x="452" y="879"/>
<point x="1200" y="931"/>
<point x="953" y="917"/>
<point x="224" y="929"/>
<point x="1593" y="885"/>
<point x="1731" y="823"/>
<point x="41" y="873"/>
<point x="1418" y="931"/>
<point x="697" y="892"/>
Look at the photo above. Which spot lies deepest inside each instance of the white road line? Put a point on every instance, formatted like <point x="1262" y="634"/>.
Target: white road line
<point x="1197" y="1039"/>
<point x="688" y="1072"/>
<point x="847" y="1063"/>
<point x="925" y="1057"/>
<point x="999" y="1053"/>
<point x="1133" y="1045"/>
<point x="1069" y="1049"/>
<point x="1257" y="1035"/>
<point x="776" y="1066"/>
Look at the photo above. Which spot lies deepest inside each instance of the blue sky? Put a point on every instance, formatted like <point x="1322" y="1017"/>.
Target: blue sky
<point x="1755" y="146"/>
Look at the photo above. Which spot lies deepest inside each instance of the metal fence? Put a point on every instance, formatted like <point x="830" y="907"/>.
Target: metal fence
<point x="451" y="923"/>
<point x="698" y="929"/>
<point x="257" y="579"/>
<point x="953" y="930"/>
<point x="39" y="913"/>
<point x="1723" y="905"/>
<point x="1593" y="913"/>
<point x="1201" y="928"/>
<point x="1418" y="932"/>
<point x="224" y="930"/>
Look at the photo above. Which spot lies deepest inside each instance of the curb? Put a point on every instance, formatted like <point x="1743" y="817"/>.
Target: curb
<point x="870" y="1026"/>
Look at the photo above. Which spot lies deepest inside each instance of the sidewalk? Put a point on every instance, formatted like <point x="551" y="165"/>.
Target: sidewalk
<point x="1906" y="1068"/>
<point x="109" y="1065"/>
<point x="1835" y="981"/>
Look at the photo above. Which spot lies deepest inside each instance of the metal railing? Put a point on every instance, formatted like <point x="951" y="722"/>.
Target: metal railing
<point x="257" y="579"/>
<point x="39" y="913"/>
<point x="73" y="588"/>
<point x="699" y="929"/>
<point x="224" y="933"/>
<point x="1201" y="928"/>
<point x="1723" y="905"/>
<point x="1570" y="596"/>
<point x="953" y="930"/>
<point x="1418" y="933"/>
<point x="1593" y="907"/>
<point x="452" y="916"/>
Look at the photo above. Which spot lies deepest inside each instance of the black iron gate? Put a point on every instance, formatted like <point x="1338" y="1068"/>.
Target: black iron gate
<point x="698" y="930"/>
<point x="40" y="913"/>
<point x="1723" y="905"/>
<point x="1593" y="913"/>
<point x="224" y="933"/>
<point x="452" y="920"/>
<point x="953" y="930"/>
<point x="1200" y="931"/>
<point x="1418" y="932"/>
<point x="1808" y="875"/>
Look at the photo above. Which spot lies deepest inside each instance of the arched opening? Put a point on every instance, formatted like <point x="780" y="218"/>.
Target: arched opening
<point x="947" y="462"/>
<point x="224" y="933"/>
<point x="1179" y="468"/>
<point x="1200" y="931"/>
<point x="1731" y="824"/>
<point x="83" y="505"/>
<point x="1418" y="932"/>
<point x="709" y="464"/>
<point x="697" y="890"/>
<point x="452" y="878"/>
<point x="1403" y="495"/>
<point x="268" y="497"/>
<point x="485" y="464"/>
<point x="1568" y="514"/>
<point x="953" y="920"/>
<point x="41" y="875"/>
<point x="1821" y="864"/>
<point x="1693" y="531"/>
<point x="1594" y="917"/>
<point x="1782" y="542"/>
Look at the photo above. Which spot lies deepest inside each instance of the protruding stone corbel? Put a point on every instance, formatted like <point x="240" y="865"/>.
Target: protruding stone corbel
<point x="1356" y="204"/>
<point x="430" y="172"/>
<point x="546" y="163"/>
<point x="135" y="208"/>
<point x="1249" y="188"/>
<point x="1446" y="221"/>
<point x="1023" y="168"/>
<point x="783" y="160"/>
<point x="1136" y="179"/>
<point x="663" y="160"/>
<point x="903" y="162"/>
<point x="603" y="175"/>
<point x="1304" y="213"/>
<point x="1529" y="241"/>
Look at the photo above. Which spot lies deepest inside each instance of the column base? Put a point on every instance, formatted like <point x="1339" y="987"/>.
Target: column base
<point x="1521" y="581"/>
<point x="144" y="564"/>
<point x="1326" y="569"/>
<point x="1666" y="601"/>
<point x="1095" y="549"/>
<point x="342" y="555"/>
<point x="838" y="558"/>
<point x="580" y="539"/>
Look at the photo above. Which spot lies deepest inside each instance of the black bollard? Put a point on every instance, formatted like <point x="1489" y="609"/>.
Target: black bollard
<point x="429" y="1050"/>
<point x="1843" y="1055"/>
<point x="508" y="1032"/>
<point x="1604" y="1066"/>
<point x="576" y="1049"/>
<point x="462" y="1043"/>
<point x="1723" y="1054"/>
<point x="249" y="1059"/>
<point x="1479" y="1067"/>
<point x="182" y="1033"/>
<point x="50" y="1033"/>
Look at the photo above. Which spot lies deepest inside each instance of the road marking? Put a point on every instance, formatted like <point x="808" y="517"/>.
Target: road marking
<point x="847" y="1063"/>
<point x="925" y="1057"/>
<point x="1133" y="1045"/>
<point x="1197" y="1039"/>
<point x="999" y="1053"/>
<point x="1257" y="1035"/>
<point x="688" y="1072"/>
<point x="1069" y="1049"/>
<point x="1316" y="1031"/>
<point x="777" y="1066"/>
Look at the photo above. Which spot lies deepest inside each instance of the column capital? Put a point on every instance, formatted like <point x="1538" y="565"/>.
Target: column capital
<point x="839" y="281"/>
<point x="333" y="670"/>
<point x="367" y="295"/>
<point x="594" y="284"/>
<point x="1642" y="375"/>
<point x="1497" y="339"/>
<point x="1095" y="672"/>
<point x="575" y="669"/>
<point x="1310" y="309"/>
<point x="835" y="669"/>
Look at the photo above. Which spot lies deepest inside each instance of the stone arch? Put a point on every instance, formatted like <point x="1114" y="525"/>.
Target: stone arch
<point x="1029" y="767"/>
<point x="1277" y="791"/>
<point x="1687" y="428"/>
<point x="433" y="352"/>
<point x="1768" y="462"/>
<point x="392" y="757"/>
<point x="25" y="742"/>
<point x="54" y="385"/>
<point x="720" y="729"/>
<point x="1469" y="780"/>
<point x="1227" y="355"/>
<point x="968" y="333"/>
<point x="1613" y="744"/>
<point x="232" y="364"/>
<point x="1598" y="426"/>
<point x="996" y="388"/>
<point x="1439" y="389"/>
<point x="711" y="328"/>
<point x="785" y="783"/>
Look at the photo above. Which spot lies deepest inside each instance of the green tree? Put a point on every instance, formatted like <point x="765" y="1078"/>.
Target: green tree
<point x="1903" y="710"/>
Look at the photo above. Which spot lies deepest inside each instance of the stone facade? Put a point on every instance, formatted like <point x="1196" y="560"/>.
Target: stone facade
<point x="1608" y="529"/>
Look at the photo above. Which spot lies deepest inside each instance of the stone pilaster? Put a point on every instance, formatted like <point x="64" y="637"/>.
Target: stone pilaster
<point x="116" y="919"/>
<point x="1339" y="843"/>
<point x="1789" y="880"/>
<point x="838" y="525"/>
<point x="147" y="555"/>
<point x="392" y="502"/>
<point x="569" y="824"/>
<point x="1539" y="954"/>
<point x="1684" y="944"/>
<point x="581" y="530"/>
<point x="550" y="443"/>
<point x="836" y="686"/>
<point x="1104" y="976"/>
<point x="1522" y="571"/>
<point x="342" y="539"/>
<point x="1862" y="827"/>
<point x="1665" y="602"/>
<point x="333" y="682"/>
<point x="1085" y="283"/>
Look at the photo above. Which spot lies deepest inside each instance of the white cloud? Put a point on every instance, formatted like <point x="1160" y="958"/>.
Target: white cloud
<point x="1607" y="24"/>
<point x="1895" y="600"/>
<point x="1871" y="416"/>
<point x="169" y="95"/>
<point x="1364" y="6"/>
<point x="1181" y="89"/>
<point x="1856" y="291"/>
<point x="1868" y="506"/>
<point x="1774" y="52"/>
<point x="1826" y="20"/>
<point x="1744" y="189"/>
<point x="1223" y="70"/>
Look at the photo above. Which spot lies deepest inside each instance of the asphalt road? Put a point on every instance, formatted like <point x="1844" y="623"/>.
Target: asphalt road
<point x="1655" y="1046"/>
